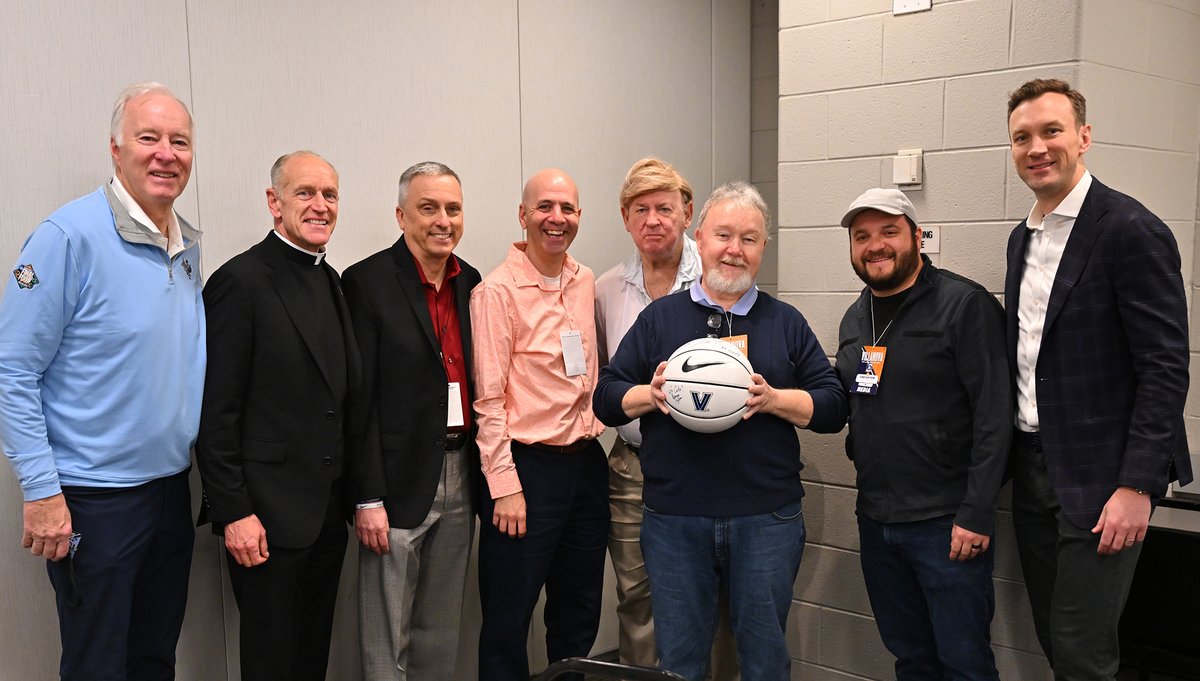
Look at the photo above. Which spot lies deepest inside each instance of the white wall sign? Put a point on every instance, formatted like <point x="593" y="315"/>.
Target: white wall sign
<point x="931" y="240"/>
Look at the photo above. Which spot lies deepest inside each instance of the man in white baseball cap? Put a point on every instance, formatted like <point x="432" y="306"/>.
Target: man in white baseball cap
<point x="921" y="356"/>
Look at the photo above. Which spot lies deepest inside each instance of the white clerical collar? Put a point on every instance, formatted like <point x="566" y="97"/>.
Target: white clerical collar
<point x="318" y="255"/>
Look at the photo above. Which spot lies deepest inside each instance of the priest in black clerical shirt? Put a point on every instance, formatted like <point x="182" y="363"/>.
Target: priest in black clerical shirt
<point x="282" y="368"/>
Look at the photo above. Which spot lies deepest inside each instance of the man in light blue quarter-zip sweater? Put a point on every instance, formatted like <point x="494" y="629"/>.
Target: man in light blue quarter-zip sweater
<point x="102" y="361"/>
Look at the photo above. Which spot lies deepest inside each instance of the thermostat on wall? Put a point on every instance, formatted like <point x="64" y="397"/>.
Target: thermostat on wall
<point x="906" y="168"/>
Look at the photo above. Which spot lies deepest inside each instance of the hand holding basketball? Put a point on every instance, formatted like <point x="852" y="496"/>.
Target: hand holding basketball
<point x="762" y="397"/>
<point x="656" y="388"/>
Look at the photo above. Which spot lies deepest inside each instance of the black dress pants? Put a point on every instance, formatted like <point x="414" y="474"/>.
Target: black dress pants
<point x="1076" y="594"/>
<point x="287" y="604"/>
<point x="566" y="498"/>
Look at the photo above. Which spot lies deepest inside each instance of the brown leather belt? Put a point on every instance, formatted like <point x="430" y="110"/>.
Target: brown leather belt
<point x="573" y="448"/>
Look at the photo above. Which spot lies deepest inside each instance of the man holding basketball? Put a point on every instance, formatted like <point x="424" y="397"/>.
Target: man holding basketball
<point x="921" y="354"/>
<point x="656" y="208"/>
<point x="722" y="510"/>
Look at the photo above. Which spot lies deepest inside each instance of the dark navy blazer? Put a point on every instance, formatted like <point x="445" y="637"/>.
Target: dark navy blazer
<point x="1112" y="372"/>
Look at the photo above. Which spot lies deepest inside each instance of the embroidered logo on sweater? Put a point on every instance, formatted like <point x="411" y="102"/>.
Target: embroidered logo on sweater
<point x="26" y="277"/>
<point x="187" y="268"/>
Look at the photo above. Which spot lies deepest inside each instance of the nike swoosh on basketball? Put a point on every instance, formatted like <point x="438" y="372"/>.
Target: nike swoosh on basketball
<point x="688" y="366"/>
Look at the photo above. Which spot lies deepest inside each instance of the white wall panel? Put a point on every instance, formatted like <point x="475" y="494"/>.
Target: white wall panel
<point x="653" y="96"/>
<point x="61" y="66"/>
<point x="730" y="96"/>
<point x="374" y="87"/>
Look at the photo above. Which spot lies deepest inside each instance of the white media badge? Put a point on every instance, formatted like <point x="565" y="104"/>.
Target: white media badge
<point x="454" y="412"/>
<point x="572" y="342"/>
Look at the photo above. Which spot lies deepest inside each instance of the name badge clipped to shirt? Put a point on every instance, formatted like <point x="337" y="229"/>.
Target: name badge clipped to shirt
<point x="741" y="342"/>
<point x="870" y="370"/>
<point x="572" y="342"/>
<point x="454" y="412"/>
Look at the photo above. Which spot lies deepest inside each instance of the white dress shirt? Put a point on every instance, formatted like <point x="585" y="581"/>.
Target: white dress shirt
<point x="1042" y="257"/>
<point x="621" y="296"/>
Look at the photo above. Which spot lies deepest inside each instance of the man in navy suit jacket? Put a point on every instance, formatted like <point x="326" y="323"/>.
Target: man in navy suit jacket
<point x="1098" y="344"/>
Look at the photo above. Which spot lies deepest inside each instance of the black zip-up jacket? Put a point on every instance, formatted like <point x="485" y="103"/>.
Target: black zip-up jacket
<point x="934" y="440"/>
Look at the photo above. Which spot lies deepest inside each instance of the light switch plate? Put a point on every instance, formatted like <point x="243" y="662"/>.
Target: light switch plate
<point x="909" y="6"/>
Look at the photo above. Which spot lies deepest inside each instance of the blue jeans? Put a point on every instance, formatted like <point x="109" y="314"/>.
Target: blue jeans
<point x="934" y="614"/>
<point x="754" y="558"/>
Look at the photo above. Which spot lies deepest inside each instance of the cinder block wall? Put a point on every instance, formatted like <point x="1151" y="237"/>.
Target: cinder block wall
<point x="764" y="125"/>
<point x="856" y="84"/>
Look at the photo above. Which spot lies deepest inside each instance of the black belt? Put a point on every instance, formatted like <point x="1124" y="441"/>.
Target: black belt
<point x="573" y="448"/>
<point x="455" y="441"/>
<point x="1030" y="441"/>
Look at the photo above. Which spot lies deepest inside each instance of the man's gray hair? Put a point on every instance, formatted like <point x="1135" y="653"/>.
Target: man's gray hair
<point x="739" y="193"/>
<point x="426" y="168"/>
<point x="137" y="90"/>
<point x="277" y="167"/>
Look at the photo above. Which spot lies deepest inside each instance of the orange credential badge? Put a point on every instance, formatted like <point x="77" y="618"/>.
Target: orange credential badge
<point x="741" y="342"/>
<point x="870" y="370"/>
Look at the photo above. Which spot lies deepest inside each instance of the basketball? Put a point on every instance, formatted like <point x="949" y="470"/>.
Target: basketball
<point x="707" y="381"/>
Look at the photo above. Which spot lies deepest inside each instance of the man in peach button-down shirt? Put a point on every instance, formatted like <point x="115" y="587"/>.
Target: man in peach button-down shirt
<point x="546" y="489"/>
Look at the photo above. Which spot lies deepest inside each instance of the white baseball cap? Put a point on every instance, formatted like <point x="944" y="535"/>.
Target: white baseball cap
<point x="890" y="201"/>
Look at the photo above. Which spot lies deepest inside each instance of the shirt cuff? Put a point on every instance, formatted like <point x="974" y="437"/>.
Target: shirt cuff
<point x="502" y="484"/>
